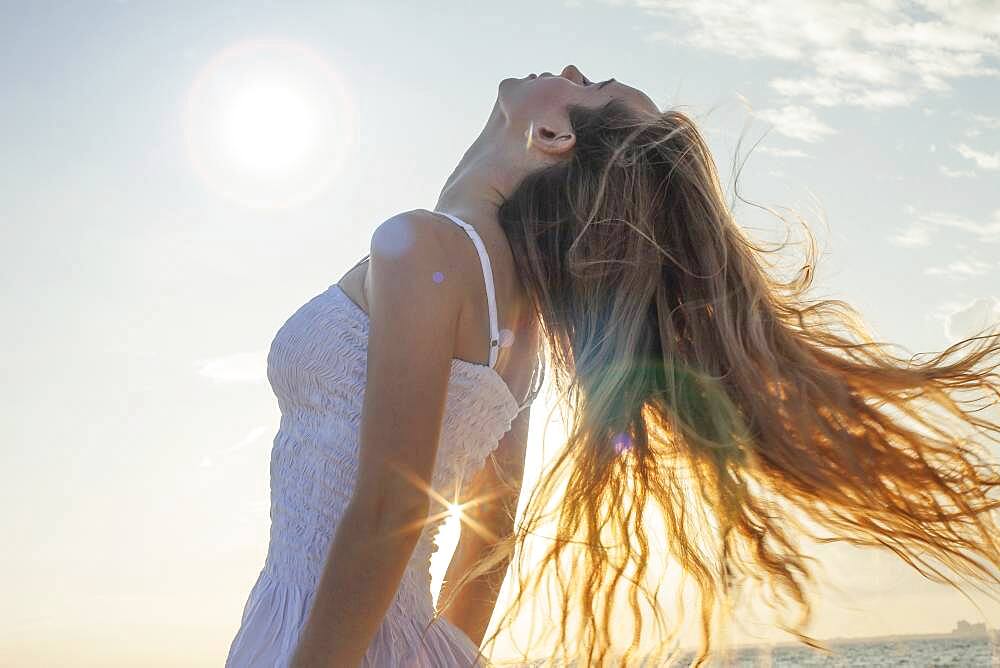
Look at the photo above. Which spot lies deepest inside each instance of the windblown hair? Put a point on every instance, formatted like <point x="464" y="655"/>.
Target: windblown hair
<point x="702" y="392"/>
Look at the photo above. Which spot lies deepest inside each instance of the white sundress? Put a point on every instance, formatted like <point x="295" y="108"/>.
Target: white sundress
<point x="317" y="369"/>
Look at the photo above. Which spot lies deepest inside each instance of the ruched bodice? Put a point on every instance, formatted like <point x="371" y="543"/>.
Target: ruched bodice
<point x="317" y="369"/>
<point x="314" y="461"/>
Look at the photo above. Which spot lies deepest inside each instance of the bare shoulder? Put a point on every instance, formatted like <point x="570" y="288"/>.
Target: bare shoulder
<point x="419" y="234"/>
<point x="434" y="250"/>
<point x="412" y="249"/>
<point x="407" y="233"/>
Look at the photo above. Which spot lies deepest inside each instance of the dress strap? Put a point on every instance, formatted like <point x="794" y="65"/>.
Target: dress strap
<point x="491" y="300"/>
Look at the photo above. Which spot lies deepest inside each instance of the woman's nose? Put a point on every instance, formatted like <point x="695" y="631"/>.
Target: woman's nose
<point x="571" y="72"/>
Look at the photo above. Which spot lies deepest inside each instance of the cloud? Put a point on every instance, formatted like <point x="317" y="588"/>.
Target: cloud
<point x="912" y="237"/>
<point x="825" y="92"/>
<point x="797" y="122"/>
<point x="235" y="368"/>
<point x="918" y="233"/>
<point x="248" y="438"/>
<point x="782" y="152"/>
<point x="960" y="269"/>
<point x="983" y="160"/>
<point x="978" y="122"/>
<point x="988" y="122"/>
<point x="957" y="173"/>
<point x="872" y="53"/>
<point x="208" y="461"/>
<point x="988" y="232"/>
<point x="971" y="319"/>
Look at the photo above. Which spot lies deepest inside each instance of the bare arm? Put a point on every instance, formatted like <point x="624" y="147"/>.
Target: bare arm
<point x="489" y="505"/>
<point x="408" y="369"/>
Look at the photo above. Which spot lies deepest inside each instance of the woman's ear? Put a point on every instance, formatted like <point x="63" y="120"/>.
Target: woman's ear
<point x="551" y="141"/>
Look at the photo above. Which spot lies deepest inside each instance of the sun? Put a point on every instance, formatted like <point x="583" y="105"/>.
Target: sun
<point x="269" y="123"/>
<point x="269" y="127"/>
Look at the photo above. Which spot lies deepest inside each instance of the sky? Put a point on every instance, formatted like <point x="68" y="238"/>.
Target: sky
<point x="178" y="178"/>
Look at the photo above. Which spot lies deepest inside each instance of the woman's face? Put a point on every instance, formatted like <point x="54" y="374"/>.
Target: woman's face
<point x="537" y="106"/>
<point x="542" y="97"/>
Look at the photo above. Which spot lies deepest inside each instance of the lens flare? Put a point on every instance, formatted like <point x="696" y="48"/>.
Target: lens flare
<point x="622" y="443"/>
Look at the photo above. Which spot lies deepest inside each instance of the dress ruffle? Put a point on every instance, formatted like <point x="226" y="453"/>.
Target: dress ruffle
<point x="276" y="612"/>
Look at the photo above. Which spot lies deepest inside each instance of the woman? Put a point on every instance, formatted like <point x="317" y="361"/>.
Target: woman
<point x="702" y="392"/>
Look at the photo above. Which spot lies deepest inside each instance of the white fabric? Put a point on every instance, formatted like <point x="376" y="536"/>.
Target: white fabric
<point x="317" y="368"/>
<point x="491" y="299"/>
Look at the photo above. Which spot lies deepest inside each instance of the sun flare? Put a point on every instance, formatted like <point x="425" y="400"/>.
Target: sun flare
<point x="269" y="127"/>
<point x="269" y="123"/>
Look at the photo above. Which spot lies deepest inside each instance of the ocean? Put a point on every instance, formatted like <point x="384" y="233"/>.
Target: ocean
<point x="964" y="652"/>
<point x="901" y="652"/>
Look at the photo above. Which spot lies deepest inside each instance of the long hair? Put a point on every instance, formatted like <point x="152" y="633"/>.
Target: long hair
<point x="702" y="394"/>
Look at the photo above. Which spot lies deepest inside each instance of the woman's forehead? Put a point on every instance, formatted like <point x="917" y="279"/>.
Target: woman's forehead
<point x="632" y="96"/>
<point x="635" y="97"/>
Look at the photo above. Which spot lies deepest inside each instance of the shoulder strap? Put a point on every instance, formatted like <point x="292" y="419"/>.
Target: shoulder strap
<point x="491" y="301"/>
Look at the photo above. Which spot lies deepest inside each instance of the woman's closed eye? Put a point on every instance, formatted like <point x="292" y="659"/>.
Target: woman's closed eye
<point x="587" y="82"/>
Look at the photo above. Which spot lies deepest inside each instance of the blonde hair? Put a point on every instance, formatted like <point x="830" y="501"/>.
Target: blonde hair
<point x="704" y="393"/>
